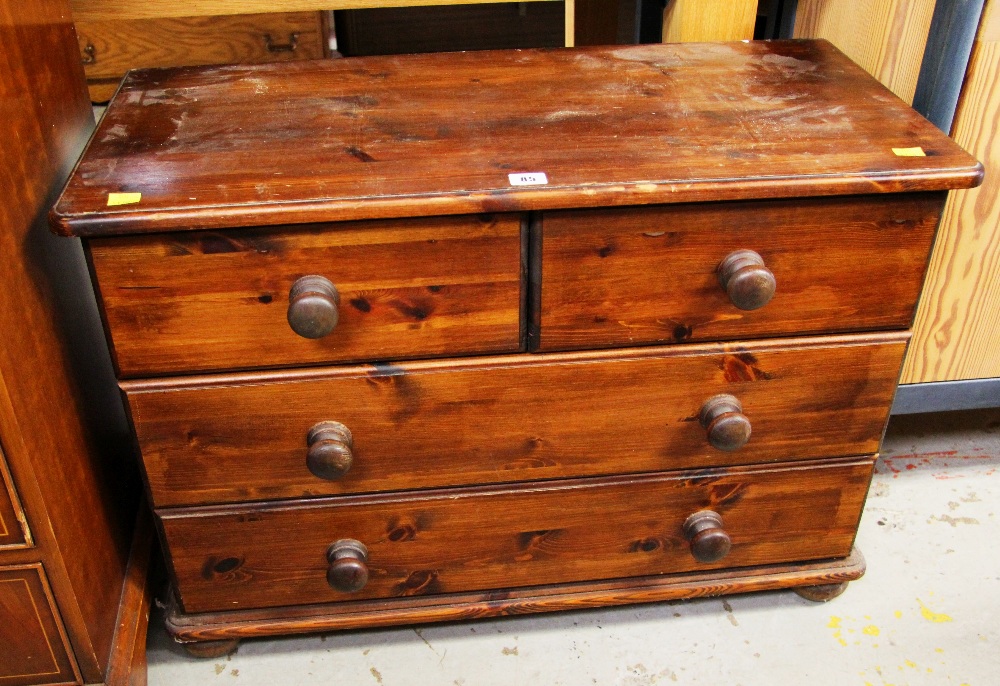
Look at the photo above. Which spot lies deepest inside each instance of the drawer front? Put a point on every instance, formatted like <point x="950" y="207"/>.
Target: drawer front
<point x="622" y="277"/>
<point x="532" y="534"/>
<point x="33" y="648"/>
<point x="505" y="419"/>
<point x="110" y="48"/>
<point x="13" y="524"/>
<point x="214" y="301"/>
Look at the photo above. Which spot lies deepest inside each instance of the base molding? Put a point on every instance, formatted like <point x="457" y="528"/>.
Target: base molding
<point x="239" y="624"/>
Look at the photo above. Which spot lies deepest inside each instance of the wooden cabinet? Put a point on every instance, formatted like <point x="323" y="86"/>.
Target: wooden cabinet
<point x="667" y="290"/>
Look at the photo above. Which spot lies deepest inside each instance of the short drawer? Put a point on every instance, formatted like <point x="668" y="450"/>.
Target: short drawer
<point x="110" y="48"/>
<point x="530" y="534"/>
<point x="619" y="277"/>
<point x="200" y="301"/>
<point x="510" y="418"/>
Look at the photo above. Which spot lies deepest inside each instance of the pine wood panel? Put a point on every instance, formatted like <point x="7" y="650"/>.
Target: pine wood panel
<point x="648" y="275"/>
<point x="957" y="330"/>
<point x="420" y="135"/>
<point x="13" y="524"/>
<point x="886" y="37"/>
<point x="513" y="418"/>
<point x="217" y="301"/>
<point x="513" y="601"/>
<point x="522" y="535"/>
<point x="33" y="645"/>
<point x="120" y="45"/>
<point x="709" y="20"/>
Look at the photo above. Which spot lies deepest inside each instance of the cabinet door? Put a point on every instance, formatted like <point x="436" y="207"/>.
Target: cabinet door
<point x="13" y="525"/>
<point x="33" y="648"/>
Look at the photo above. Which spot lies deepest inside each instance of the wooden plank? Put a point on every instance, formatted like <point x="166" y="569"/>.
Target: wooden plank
<point x="957" y="330"/>
<point x="709" y="20"/>
<point x="886" y="37"/>
<point x="106" y="10"/>
<point x="420" y="135"/>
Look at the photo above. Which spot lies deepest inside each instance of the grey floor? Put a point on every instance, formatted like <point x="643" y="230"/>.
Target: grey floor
<point x="925" y="613"/>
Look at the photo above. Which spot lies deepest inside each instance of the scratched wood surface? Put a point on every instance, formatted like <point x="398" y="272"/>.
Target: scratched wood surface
<point x="957" y="331"/>
<point x="439" y="134"/>
<point x="886" y="37"/>
<point x="513" y="418"/>
<point x="187" y="302"/>
<point x="522" y="535"/>
<point x="648" y="275"/>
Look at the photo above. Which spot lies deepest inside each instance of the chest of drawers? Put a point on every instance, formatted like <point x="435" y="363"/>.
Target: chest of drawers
<point x="422" y="338"/>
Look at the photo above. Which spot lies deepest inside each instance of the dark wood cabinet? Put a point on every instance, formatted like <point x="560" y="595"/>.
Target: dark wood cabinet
<point x="441" y="336"/>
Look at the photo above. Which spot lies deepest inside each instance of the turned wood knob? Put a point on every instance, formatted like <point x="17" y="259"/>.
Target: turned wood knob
<point x="347" y="571"/>
<point x="312" y="306"/>
<point x="746" y="280"/>
<point x="331" y="450"/>
<point x="727" y="427"/>
<point x="709" y="541"/>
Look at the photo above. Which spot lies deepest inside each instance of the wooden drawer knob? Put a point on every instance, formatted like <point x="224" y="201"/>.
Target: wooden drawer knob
<point x="331" y="450"/>
<point x="347" y="571"/>
<point x="709" y="541"/>
<point x="746" y="280"/>
<point x="723" y="419"/>
<point x="312" y="306"/>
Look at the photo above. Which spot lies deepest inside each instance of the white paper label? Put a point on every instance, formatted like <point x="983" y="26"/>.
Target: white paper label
<point x="528" y="179"/>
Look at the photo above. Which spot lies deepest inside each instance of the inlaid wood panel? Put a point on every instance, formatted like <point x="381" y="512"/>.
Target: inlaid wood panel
<point x="435" y="424"/>
<point x="957" y="331"/>
<point x="33" y="645"/>
<point x="220" y="300"/>
<point x="13" y="524"/>
<point x="420" y="135"/>
<point x="709" y="20"/>
<point x="886" y="37"/>
<point x="648" y="275"/>
<point x="522" y="535"/>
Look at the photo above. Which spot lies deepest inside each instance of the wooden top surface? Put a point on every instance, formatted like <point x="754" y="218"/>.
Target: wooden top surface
<point x="360" y="138"/>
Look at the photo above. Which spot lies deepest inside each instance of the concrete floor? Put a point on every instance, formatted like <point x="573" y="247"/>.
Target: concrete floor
<point x="925" y="613"/>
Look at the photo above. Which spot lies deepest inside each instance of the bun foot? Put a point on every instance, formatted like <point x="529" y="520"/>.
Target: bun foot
<point x="822" y="592"/>
<point x="207" y="649"/>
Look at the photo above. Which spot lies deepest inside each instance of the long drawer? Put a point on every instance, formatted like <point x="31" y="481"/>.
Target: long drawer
<point x="643" y="275"/>
<point x="189" y="302"/>
<point x="503" y="419"/>
<point x="481" y="539"/>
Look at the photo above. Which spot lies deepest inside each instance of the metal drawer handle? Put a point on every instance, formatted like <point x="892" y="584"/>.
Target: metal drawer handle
<point x="290" y="46"/>
<point x="90" y="56"/>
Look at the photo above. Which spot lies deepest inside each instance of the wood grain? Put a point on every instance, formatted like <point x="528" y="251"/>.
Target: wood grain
<point x="33" y="645"/>
<point x="709" y="20"/>
<point x="14" y="531"/>
<point x="648" y="275"/>
<point x="433" y="424"/>
<point x="96" y="10"/>
<point x="62" y="424"/>
<point x="957" y="329"/>
<point x="886" y="37"/>
<point x="421" y="135"/>
<point x="120" y="45"/>
<point x="507" y="601"/>
<point x="478" y="539"/>
<point x="219" y="300"/>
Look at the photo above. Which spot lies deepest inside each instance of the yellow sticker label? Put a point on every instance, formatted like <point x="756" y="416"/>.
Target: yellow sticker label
<point x="910" y="152"/>
<point x="123" y="198"/>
